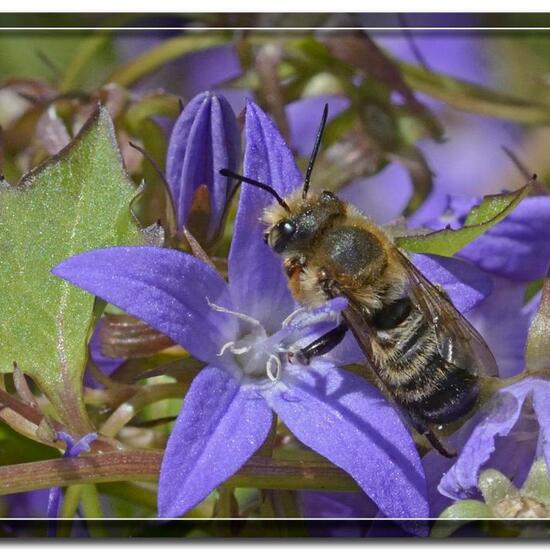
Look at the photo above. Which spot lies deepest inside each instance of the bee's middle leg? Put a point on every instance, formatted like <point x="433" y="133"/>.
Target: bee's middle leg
<point x="321" y="345"/>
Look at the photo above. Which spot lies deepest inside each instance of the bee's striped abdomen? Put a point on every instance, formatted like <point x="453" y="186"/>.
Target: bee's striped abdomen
<point x="423" y="372"/>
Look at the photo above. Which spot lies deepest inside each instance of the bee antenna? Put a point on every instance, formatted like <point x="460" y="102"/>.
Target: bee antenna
<point x="313" y="156"/>
<point x="264" y="186"/>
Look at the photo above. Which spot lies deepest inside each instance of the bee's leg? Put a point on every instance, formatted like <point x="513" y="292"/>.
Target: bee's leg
<point x="322" y="345"/>
<point x="423" y="429"/>
<point x="437" y="445"/>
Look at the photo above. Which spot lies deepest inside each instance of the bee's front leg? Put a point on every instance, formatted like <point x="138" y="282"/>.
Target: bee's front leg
<point x="294" y="267"/>
<point x="320" y="346"/>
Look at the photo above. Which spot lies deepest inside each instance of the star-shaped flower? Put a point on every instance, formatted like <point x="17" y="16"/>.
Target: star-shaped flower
<point x="243" y="331"/>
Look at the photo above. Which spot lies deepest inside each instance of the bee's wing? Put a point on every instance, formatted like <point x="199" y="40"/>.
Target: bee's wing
<point x="447" y="320"/>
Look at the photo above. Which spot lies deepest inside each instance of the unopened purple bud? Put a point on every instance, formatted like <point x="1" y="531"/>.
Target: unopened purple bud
<point x="205" y="139"/>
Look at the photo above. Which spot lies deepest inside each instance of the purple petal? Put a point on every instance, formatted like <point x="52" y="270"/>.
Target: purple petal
<point x="475" y="140"/>
<point x="430" y="211"/>
<point x="306" y="322"/>
<point x="27" y="505"/>
<point x="338" y="506"/>
<point x="304" y="116"/>
<point x="442" y="210"/>
<point x="82" y="445"/>
<point x="107" y="365"/>
<point x="52" y="511"/>
<point x="503" y="321"/>
<point x="204" y="69"/>
<point x="257" y="280"/>
<point x="461" y="56"/>
<point x="73" y="448"/>
<point x="218" y="429"/>
<point x="318" y="504"/>
<point x="347" y="352"/>
<point x="204" y="140"/>
<point x="461" y="480"/>
<point x="167" y="289"/>
<point x="346" y="420"/>
<point x="519" y="246"/>
<point x="383" y="196"/>
<point x="541" y="404"/>
<point x="465" y="284"/>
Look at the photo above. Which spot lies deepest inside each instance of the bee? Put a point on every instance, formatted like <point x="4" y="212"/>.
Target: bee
<point x="426" y="357"/>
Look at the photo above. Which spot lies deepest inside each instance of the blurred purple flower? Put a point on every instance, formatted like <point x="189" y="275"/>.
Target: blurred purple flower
<point x="205" y="138"/>
<point x="317" y="504"/>
<point x="31" y="504"/>
<point x="72" y="450"/>
<point x="470" y="160"/>
<point x="503" y="413"/>
<point x="461" y="55"/>
<point x="382" y="196"/>
<point x="303" y="119"/>
<point x="187" y="75"/>
<point x="503" y="320"/>
<point x="243" y="330"/>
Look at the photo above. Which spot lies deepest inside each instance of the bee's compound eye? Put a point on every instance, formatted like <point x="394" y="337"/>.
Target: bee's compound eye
<point x="280" y="235"/>
<point x="288" y="229"/>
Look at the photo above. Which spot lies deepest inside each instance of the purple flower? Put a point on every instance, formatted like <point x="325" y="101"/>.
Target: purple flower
<point x="501" y="416"/>
<point x="72" y="450"/>
<point x="205" y="137"/>
<point x="106" y="364"/>
<point x="243" y="331"/>
<point x="517" y="248"/>
<point x="382" y="196"/>
<point x="470" y="160"/>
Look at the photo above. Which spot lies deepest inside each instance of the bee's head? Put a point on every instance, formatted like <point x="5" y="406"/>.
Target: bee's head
<point x="293" y="222"/>
<point x="294" y="229"/>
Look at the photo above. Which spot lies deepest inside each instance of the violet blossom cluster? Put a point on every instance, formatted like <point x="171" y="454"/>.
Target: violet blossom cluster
<point x="244" y="328"/>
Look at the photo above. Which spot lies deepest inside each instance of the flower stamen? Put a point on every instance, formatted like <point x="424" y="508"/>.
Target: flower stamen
<point x="273" y="360"/>
<point x="231" y="347"/>
<point x="237" y="314"/>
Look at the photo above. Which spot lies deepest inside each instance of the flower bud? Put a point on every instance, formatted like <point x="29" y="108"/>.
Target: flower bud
<point x="205" y="139"/>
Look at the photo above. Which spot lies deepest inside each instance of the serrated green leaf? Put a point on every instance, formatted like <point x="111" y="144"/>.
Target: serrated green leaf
<point x="537" y="351"/>
<point x="447" y="242"/>
<point x="76" y="201"/>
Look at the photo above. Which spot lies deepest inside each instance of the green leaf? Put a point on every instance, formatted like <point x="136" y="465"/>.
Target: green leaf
<point x="447" y="242"/>
<point x="76" y="201"/>
<point x="465" y="510"/>
<point x="537" y="351"/>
